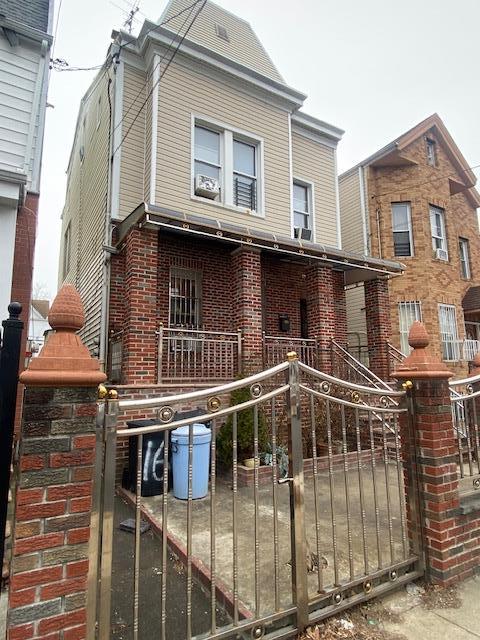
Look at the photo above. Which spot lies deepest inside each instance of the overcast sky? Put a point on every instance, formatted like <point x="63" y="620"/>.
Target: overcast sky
<point x="372" y="67"/>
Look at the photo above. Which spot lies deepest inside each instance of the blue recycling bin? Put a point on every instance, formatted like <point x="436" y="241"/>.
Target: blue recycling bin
<point x="200" y="461"/>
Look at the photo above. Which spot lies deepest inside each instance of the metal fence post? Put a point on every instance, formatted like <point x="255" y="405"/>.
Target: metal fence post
<point x="9" y="363"/>
<point x="297" y="495"/>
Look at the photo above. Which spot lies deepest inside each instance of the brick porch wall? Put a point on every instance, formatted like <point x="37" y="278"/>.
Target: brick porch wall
<point x="377" y="312"/>
<point x="283" y="286"/>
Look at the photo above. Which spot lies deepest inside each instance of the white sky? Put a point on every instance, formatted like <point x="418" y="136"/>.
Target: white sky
<point x="372" y="67"/>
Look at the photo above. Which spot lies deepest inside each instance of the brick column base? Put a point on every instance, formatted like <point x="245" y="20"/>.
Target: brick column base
<point x="377" y="312"/>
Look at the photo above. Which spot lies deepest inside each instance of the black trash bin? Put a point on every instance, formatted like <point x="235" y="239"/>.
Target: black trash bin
<point x="152" y="460"/>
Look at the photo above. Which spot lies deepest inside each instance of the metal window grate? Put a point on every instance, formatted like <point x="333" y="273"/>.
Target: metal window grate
<point x="408" y="313"/>
<point x="447" y="316"/>
<point x="185" y="298"/>
<point x="245" y="193"/>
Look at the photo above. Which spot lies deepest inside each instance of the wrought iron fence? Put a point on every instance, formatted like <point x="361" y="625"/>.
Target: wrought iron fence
<point x="349" y="368"/>
<point x="465" y="398"/>
<point x="395" y="357"/>
<point x="275" y="349"/>
<point x="191" y="354"/>
<point x="282" y="552"/>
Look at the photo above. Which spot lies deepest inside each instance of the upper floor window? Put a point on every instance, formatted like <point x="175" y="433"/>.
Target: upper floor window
<point x="431" y="152"/>
<point x="302" y="211"/>
<point x="408" y="313"/>
<point x="402" y="229"/>
<point x="226" y="167"/>
<point x="439" y="237"/>
<point x="67" y="249"/>
<point x="447" y="316"/>
<point x="244" y="175"/>
<point x="464" y="252"/>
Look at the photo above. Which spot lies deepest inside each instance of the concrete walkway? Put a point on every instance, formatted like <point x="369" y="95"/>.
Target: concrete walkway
<point x="435" y="615"/>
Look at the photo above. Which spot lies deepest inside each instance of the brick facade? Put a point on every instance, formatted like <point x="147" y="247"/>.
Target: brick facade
<point x="427" y="279"/>
<point x="242" y="290"/>
<point x="25" y="235"/>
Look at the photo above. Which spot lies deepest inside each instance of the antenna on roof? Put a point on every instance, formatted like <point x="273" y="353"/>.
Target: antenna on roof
<point x="128" y="24"/>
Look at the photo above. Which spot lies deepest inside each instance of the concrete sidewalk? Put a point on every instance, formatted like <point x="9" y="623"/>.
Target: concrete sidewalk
<point x="436" y="614"/>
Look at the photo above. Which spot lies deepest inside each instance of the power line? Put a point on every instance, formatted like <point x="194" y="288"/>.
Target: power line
<point x="154" y="69"/>
<point x="56" y="27"/>
<point x="420" y="184"/>
<point x="160" y="77"/>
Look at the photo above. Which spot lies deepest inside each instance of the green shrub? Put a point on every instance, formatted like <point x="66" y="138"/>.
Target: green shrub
<point x="245" y="429"/>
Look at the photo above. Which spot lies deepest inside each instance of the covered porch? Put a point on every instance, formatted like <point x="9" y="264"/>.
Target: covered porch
<point x="193" y="302"/>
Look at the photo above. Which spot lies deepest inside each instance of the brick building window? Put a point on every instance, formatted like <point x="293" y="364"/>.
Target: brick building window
<point x="464" y="253"/>
<point x="408" y="312"/>
<point x="431" y="152"/>
<point x="67" y="249"/>
<point x="402" y="229"/>
<point x="185" y="299"/>
<point x="302" y="210"/>
<point x="439" y="236"/>
<point x="447" y="317"/>
<point x="227" y="166"/>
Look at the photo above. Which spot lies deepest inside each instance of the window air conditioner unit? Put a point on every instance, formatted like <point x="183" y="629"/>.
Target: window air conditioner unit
<point x="302" y="233"/>
<point x="206" y="187"/>
<point x="441" y="254"/>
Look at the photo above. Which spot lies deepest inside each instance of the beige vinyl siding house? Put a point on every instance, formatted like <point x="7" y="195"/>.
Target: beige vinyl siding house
<point x="84" y="213"/>
<point x="314" y="163"/>
<point x="351" y="202"/>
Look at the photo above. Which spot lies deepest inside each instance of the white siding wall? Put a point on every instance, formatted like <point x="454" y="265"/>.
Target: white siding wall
<point x="22" y="93"/>
<point x="8" y="219"/>
<point x="356" y="322"/>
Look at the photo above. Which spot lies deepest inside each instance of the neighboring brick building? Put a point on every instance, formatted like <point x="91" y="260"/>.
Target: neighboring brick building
<point x="219" y="248"/>
<point x="414" y="201"/>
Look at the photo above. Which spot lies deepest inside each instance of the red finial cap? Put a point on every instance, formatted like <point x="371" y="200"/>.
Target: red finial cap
<point x="420" y="363"/>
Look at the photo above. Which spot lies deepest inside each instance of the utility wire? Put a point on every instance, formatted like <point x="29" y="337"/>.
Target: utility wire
<point x="420" y="184"/>
<point x="154" y="69"/>
<point x="160" y="77"/>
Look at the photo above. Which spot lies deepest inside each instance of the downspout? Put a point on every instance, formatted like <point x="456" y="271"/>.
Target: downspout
<point x="363" y="209"/>
<point x="337" y="202"/>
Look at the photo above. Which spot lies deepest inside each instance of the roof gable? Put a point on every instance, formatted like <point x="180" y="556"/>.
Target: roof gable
<point x="240" y="44"/>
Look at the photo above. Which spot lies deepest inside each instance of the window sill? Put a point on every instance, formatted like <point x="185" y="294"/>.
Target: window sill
<point x="228" y="207"/>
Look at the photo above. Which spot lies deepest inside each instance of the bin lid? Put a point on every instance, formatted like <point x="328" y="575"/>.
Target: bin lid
<point x="200" y="434"/>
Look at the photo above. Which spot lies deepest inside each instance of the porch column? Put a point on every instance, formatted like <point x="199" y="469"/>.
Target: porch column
<point x="377" y="312"/>
<point x="247" y="285"/>
<point x="326" y="311"/>
<point x="140" y="323"/>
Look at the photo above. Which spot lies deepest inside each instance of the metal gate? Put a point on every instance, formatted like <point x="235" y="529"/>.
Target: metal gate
<point x="272" y="548"/>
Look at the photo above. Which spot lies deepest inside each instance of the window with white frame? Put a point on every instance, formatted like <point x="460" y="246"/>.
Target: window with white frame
<point x="464" y="253"/>
<point x="431" y="152"/>
<point x="447" y="317"/>
<point x="302" y="210"/>
<point x="439" y="236"/>
<point x="408" y="313"/>
<point x="402" y="229"/>
<point x="226" y="166"/>
<point x="185" y="298"/>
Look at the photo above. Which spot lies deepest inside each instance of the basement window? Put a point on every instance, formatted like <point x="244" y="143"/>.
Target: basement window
<point x="221" y="32"/>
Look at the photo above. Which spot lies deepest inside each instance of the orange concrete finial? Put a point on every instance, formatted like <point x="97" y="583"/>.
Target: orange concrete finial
<point x="420" y="363"/>
<point x="64" y="361"/>
<point x="475" y="365"/>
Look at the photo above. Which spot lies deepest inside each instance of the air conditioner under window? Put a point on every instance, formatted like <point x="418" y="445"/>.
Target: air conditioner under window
<point x="441" y="254"/>
<point x="206" y="187"/>
<point x="302" y="234"/>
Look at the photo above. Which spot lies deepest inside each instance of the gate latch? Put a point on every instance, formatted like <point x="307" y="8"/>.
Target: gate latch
<point x="284" y="480"/>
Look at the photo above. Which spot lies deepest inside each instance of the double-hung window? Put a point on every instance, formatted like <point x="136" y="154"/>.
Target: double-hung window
<point x="302" y="211"/>
<point x="439" y="236"/>
<point x="408" y="312"/>
<point x="464" y="253"/>
<point x="402" y="229"/>
<point x="226" y="167"/>
<point x="244" y="175"/>
<point x="447" y="317"/>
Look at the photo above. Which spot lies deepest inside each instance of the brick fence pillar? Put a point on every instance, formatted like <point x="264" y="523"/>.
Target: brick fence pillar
<point x="377" y="312"/>
<point x="247" y="283"/>
<point x="140" y="341"/>
<point x="54" y="483"/>
<point x="436" y="468"/>
<point x="326" y="311"/>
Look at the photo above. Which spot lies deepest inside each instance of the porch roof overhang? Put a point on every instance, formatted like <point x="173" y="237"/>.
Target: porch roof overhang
<point x="356" y="267"/>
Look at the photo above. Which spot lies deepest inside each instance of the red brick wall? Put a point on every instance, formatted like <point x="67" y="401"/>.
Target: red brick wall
<point x="284" y="285"/>
<point x="25" y="236"/>
<point x="377" y="313"/>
